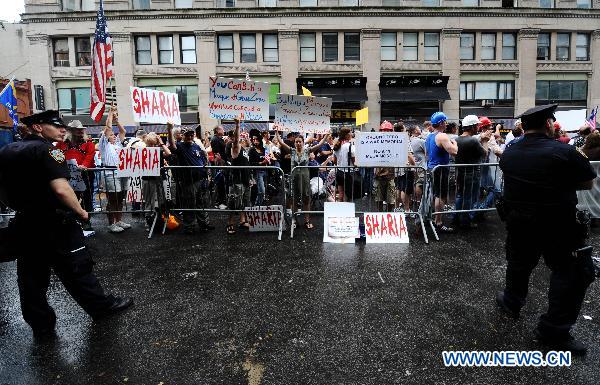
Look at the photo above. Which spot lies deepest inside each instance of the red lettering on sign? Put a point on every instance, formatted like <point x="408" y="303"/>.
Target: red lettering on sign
<point x="128" y="159"/>
<point x="368" y="228"/>
<point x="121" y="160"/>
<point x="145" y="102"/>
<point x="144" y="158"/>
<point x="137" y="107"/>
<point x="175" y="107"/>
<point x="403" y="230"/>
<point x="136" y="161"/>
<point x="390" y="223"/>
<point x="155" y="109"/>
<point x="161" y="97"/>
<point x="155" y="160"/>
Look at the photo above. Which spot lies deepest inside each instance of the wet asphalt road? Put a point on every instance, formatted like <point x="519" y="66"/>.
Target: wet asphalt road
<point x="213" y="309"/>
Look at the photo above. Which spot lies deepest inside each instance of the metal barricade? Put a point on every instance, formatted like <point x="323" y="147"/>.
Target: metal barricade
<point x="590" y="199"/>
<point x="462" y="190"/>
<point x="202" y="189"/>
<point x="372" y="189"/>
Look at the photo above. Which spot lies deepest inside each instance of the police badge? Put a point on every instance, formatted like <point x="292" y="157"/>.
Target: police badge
<point x="57" y="155"/>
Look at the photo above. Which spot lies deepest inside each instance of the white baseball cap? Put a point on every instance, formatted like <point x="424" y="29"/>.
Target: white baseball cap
<point x="470" y="120"/>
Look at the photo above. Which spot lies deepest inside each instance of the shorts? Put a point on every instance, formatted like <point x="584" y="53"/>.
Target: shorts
<point x="385" y="191"/>
<point x="345" y="179"/>
<point x="406" y="182"/>
<point x="238" y="197"/>
<point x="301" y="183"/>
<point x="420" y="178"/>
<point x="441" y="178"/>
<point x="112" y="183"/>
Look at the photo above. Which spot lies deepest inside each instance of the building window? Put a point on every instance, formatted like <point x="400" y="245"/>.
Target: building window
<point x="546" y="3"/>
<point x="470" y="3"/>
<point x="225" y="44"/>
<point x="226" y="3"/>
<point x="307" y="47"/>
<point x="141" y="4"/>
<point x="563" y="46"/>
<point x="88" y="5"/>
<point x="561" y="90"/>
<point x="188" y="49"/>
<point x="432" y="46"/>
<point x="142" y="50"/>
<point x="69" y="5"/>
<point x="348" y="3"/>
<point x="431" y="3"/>
<point x="184" y="3"/>
<point x="330" y="46"/>
<point x="467" y="46"/>
<point x="61" y="53"/>
<point x="351" y="46"/>
<point x="165" y="49"/>
<point x="543" y="46"/>
<point x="308" y="3"/>
<point x="186" y="95"/>
<point x="74" y="101"/>
<point x="410" y="43"/>
<point x="391" y="3"/>
<point x="488" y="46"/>
<point x="270" y="47"/>
<point x="83" y="51"/>
<point x="584" y="4"/>
<point x="388" y="46"/>
<point x="248" y="45"/>
<point x="267" y="3"/>
<point x="582" y="51"/>
<point x="509" y="49"/>
<point x="470" y="91"/>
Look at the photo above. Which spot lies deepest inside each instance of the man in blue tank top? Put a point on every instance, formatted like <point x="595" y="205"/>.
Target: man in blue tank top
<point x="438" y="148"/>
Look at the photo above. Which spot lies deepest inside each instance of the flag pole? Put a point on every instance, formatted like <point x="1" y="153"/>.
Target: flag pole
<point x="12" y="79"/>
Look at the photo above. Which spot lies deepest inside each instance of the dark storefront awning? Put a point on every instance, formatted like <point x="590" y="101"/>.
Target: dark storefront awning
<point x="340" y="89"/>
<point x="413" y="89"/>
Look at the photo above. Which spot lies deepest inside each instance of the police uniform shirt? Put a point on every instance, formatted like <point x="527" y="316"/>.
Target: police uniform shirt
<point x="27" y="167"/>
<point x="540" y="171"/>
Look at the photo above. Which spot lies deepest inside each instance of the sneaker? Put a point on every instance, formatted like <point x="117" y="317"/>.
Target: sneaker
<point x="114" y="228"/>
<point x="222" y="206"/>
<point x="444" y="229"/>
<point x="501" y="302"/>
<point x="569" y="343"/>
<point x="86" y="226"/>
<point x="399" y="209"/>
<point x="123" y="225"/>
<point x="96" y="209"/>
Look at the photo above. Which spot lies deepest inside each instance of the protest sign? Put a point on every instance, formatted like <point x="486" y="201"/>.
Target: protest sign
<point x="386" y="228"/>
<point x="264" y="218"/>
<point x="168" y="186"/>
<point x="152" y="106"/>
<point x="571" y="120"/>
<point x="362" y="116"/>
<point x="340" y="223"/>
<point x="139" y="162"/>
<point x="302" y="113"/>
<point x="385" y="149"/>
<point x="76" y="180"/>
<point x="134" y="189"/>
<point x="230" y="98"/>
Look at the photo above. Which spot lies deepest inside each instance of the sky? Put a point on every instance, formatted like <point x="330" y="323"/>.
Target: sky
<point x="10" y="10"/>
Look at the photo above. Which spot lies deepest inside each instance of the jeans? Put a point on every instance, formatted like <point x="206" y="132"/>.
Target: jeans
<point x="367" y="175"/>
<point x="261" y="175"/>
<point x="467" y="193"/>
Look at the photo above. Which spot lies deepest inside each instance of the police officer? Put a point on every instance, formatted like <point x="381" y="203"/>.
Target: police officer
<point x="35" y="179"/>
<point x="541" y="176"/>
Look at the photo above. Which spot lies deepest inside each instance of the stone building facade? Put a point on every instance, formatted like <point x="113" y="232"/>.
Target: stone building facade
<point x="404" y="59"/>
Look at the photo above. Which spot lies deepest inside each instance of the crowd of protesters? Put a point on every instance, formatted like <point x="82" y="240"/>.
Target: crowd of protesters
<point x="324" y="170"/>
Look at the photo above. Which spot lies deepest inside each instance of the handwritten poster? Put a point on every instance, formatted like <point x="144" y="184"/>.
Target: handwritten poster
<point x="381" y="149"/>
<point x="168" y="186"/>
<point x="230" y="98"/>
<point x="134" y="189"/>
<point x="302" y="113"/>
<point x="139" y="162"/>
<point x="152" y="106"/>
<point x="386" y="228"/>
<point x="264" y="218"/>
<point x="76" y="180"/>
<point x="340" y="223"/>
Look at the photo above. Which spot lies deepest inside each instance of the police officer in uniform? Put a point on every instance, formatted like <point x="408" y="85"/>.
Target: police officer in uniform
<point x="34" y="176"/>
<point x="541" y="176"/>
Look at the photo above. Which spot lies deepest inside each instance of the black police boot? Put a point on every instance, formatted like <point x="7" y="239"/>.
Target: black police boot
<point x="206" y="227"/>
<point x="568" y="343"/>
<point x="42" y="336"/>
<point x="508" y="310"/>
<point x="118" y="305"/>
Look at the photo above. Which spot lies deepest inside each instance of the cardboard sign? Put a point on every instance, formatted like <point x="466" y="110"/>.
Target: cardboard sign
<point x="152" y="106"/>
<point x="386" y="228"/>
<point x="264" y="218"/>
<point x="340" y="223"/>
<point x="302" y="113"/>
<point x="139" y="162"/>
<point x="230" y="98"/>
<point x="389" y="149"/>
<point x="134" y="189"/>
<point x="76" y="180"/>
<point x="168" y="186"/>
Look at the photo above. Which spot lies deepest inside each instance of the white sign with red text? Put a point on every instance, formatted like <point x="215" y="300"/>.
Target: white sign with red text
<point x="230" y="98"/>
<point x="139" y="162"/>
<point x="152" y="106"/>
<point x="386" y="228"/>
<point x="264" y="218"/>
<point x="134" y="189"/>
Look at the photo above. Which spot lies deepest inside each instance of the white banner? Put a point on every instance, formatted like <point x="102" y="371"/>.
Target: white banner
<point x="76" y="180"/>
<point x="386" y="228"/>
<point x="264" y="218"/>
<point x="152" y="106"/>
<point x="389" y="149"/>
<point x="302" y="113"/>
<point x="340" y="223"/>
<point x="139" y="162"/>
<point x="230" y="98"/>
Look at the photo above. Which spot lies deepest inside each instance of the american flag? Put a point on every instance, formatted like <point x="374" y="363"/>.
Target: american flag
<point x="592" y="118"/>
<point x="102" y="68"/>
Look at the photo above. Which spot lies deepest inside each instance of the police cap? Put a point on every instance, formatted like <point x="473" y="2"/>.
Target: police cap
<point x="47" y="117"/>
<point x="539" y="112"/>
